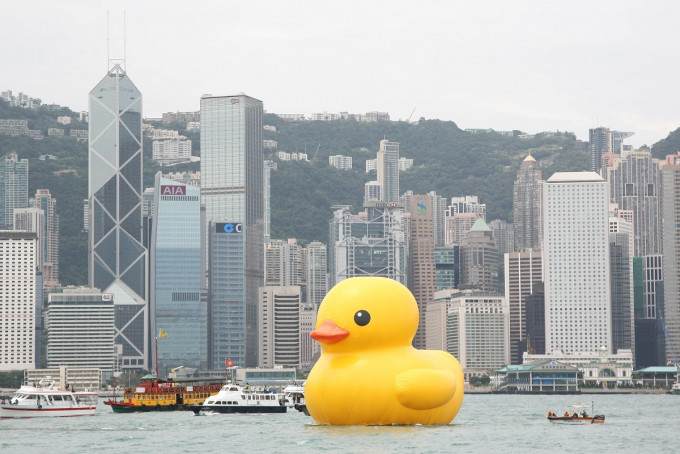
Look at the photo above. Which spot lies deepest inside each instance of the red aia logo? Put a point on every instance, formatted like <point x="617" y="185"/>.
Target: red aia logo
<point x="173" y="190"/>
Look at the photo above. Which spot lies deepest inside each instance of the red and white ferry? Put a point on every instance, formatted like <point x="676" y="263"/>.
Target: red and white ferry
<point x="46" y="400"/>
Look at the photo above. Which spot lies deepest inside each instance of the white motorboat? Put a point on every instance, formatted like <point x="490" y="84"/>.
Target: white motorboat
<point x="237" y="399"/>
<point x="294" y="397"/>
<point x="46" y="400"/>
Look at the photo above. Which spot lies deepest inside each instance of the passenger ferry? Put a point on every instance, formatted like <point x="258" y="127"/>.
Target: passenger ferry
<point x="237" y="399"/>
<point x="45" y="399"/>
<point x="155" y="394"/>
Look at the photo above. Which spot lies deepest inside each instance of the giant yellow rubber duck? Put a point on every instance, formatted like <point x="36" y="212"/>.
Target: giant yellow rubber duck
<point x="368" y="372"/>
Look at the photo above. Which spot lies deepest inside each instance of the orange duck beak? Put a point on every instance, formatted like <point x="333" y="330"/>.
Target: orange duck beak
<point x="329" y="332"/>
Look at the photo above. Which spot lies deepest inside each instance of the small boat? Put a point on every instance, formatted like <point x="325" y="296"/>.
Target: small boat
<point x="675" y="389"/>
<point x="294" y="396"/>
<point x="233" y="398"/>
<point x="576" y="414"/>
<point x="44" y="399"/>
<point x="155" y="394"/>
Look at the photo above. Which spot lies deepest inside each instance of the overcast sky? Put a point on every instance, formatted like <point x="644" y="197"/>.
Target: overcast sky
<point x="532" y="65"/>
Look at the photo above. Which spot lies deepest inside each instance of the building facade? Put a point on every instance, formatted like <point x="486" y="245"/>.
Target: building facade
<point x="117" y="257"/>
<point x="50" y="244"/>
<point x="18" y="302"/>
<point x="280" y="324"/>
<point x="81" y="329"/>
<point x="576" y="263"/>
<point x="526" y="206"/>
<point x="176" y="277"/>
<point x="479" y="259"/>
<point x="387" y="170"/>
<point x="13" y="188"/>
<point x="317" y="275"/>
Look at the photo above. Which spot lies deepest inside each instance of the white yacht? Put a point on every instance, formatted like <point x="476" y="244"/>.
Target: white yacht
<point x="46" y="400"/>
<point x="294" y="397"/>
<point x="237" y="399"/>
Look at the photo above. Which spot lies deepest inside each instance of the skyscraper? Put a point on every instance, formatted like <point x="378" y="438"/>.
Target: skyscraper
<point x="526" y="206"/>
<point x="18" y="288"/>
<point x="621" y="275"/>
<point x="175" y="276"/>
<point x="576" y="263"/>
<point x="44" y="200"/>
<point x="317" y="276"/>
<point x="601" y="142"/>
<point x="232" y="191"/>
<point x="523" y="271"/>
<point x="280" y="325"/>
<point x="369" y="244"/>
<point x="634" y="185"/>
<point x="670" y="210"/>
<point x="387" y="169"/>
<point x="421" y="269"/>
<point x="479" y="259"/>
<point x="13" y="188"/>
<point x="117" y="257"/>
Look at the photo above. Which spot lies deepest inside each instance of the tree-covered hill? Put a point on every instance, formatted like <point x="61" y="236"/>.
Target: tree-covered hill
<point x="447" y="159"/>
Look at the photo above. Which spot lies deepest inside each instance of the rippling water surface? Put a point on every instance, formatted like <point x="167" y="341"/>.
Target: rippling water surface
<point x="486" y="423"/>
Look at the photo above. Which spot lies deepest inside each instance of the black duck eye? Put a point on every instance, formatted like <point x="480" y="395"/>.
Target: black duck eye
<point x="362" y="318"/>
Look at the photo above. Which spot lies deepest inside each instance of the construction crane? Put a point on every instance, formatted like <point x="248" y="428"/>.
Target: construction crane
<point x="317" y="151"/>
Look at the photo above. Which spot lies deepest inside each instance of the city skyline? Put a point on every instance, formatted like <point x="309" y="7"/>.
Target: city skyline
<point x="511" y="68"/>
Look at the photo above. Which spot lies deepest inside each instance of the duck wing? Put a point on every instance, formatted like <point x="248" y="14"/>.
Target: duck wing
<point x="423" y="389"/>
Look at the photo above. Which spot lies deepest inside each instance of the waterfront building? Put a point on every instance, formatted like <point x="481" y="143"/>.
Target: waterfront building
<point x="371" y="243"/>
<point x="526" y="206"/>
<point x="232" y="191"/>
<point x="81" y="326"/>
<point x="472" y="326"/>
<point x="523" y="271"/>
<point x="176" y="277"/>
<point x="117" y="257"/>
<point x="279" y="341"/>
<point x="669" y="314"/>
<point x="387" y="170"/>
<point x="19" y="287"/>
<point x="479" y="259"/>
<point x="13" y="188"/>
<point x="421" y="268"/>
<point x="576" y="263"/>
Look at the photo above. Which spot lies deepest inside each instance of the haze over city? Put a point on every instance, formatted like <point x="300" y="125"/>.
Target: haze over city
<point x="525" y="65"/>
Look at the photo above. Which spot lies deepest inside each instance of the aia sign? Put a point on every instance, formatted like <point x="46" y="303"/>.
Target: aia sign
<point x="173" y="190"/>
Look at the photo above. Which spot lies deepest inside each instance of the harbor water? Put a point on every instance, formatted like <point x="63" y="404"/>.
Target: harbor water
<point x="486" y="423"/>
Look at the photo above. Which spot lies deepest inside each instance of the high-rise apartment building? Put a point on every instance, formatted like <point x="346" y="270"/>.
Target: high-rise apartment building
<point x="269" y="167"/>
<point x="576" y="263"/>
<point x="284" y="263"/>
<point x="117" y="257"/>
<point x="372" y="191"/>
<point x="232" y="191"/>
<point x="50" y="244"/>
<point x="421" y="268"/>
<point x="458" y="225"/>
<point x="634" y="185"/>
<point x="526" y="206"/>
<point x="81" y="329"/>
<point x="504" y="236"/>
<point x="479" y="259"/>
<point x="466" y="204"/>
<point x="175" y="276"/>
<point x="523" y="271"/>
<point x="18" y="302"/>
<point x="387" y="169"/>
<point x="32" y="220"/>
<point x="13" y="188"/>
<point x="371" y="243"/>
<point x="279" y="341"/>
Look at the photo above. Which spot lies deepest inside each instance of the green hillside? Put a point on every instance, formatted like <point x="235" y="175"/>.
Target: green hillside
<point x="446" y="159"/>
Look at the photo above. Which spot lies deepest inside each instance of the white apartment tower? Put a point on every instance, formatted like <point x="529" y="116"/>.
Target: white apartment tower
<point x="387" y="168"/>
<point x="18" y="287"/>
<point x="576" y="263"/>
<point x="279" y="312"/>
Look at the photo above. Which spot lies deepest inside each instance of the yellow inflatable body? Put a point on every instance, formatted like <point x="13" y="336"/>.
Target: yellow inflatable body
<point x="368" y="372"/>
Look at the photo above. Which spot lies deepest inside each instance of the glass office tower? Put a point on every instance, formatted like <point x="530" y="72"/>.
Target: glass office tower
<point x="175" y="284"/>
<point x="117" y="257"/>
<point x="232" y="192"/>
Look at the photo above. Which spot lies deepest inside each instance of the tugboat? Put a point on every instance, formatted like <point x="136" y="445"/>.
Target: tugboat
<point x="576" y="414"/>
<point x="236" y="399"/>
<point x="155" y="394"/>
<point x="46" y="400"/>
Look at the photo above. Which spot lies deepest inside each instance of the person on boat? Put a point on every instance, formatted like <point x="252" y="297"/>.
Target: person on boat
<point x="575" y="415"/>
<point x="584" y="414"/>
<point x="566" y="414"/>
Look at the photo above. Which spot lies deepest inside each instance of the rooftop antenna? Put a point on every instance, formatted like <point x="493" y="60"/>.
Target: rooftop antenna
<point x="108" y="42"/>
<point x="109" y="60"/>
